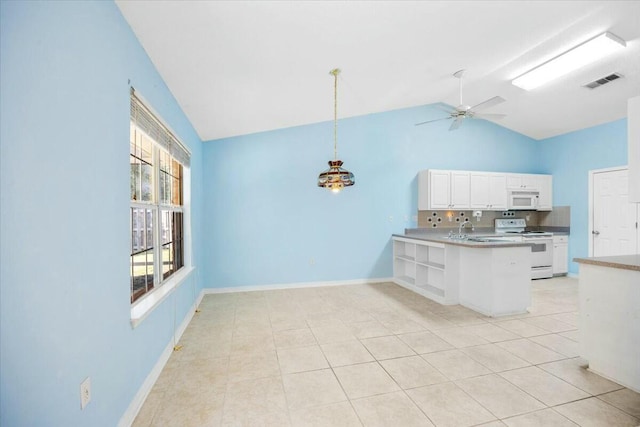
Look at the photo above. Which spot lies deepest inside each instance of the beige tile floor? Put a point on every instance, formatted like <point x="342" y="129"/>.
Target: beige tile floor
<point x="379" y="355"/>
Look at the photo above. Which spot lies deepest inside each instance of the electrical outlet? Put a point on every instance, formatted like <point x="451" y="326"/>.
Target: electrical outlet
<point x="85" y="392"/>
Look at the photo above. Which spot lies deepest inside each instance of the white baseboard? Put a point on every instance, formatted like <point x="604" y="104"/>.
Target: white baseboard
<point x="138" y="400"/>
<point x="295" y="285"/>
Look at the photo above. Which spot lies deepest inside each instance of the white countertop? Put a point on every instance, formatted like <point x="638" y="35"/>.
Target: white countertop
<point x="443" y="238"/>
<point x="624" y="262"/>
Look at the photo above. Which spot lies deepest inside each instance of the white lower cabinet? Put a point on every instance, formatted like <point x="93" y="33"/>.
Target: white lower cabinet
<point x="560" y="255"/>
<point x="420" y="267"/>
<point x="494" y="281"/>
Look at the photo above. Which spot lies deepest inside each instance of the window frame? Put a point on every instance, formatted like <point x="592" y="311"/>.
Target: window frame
<point x="162" y="286"/>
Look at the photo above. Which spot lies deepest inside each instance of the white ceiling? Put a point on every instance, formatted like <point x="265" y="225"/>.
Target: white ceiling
<point x="240" y="67"/>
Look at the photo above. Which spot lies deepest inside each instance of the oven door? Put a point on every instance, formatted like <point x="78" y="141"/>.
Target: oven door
<point x="541" y="257"/>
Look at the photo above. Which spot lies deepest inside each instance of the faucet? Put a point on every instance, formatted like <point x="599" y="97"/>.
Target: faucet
<point x="462" y="224"/>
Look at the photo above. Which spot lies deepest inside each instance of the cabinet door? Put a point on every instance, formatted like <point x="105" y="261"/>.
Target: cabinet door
<point x="522" y="181"/>
<point x="459" y="190"/>
<point x="560" y="258"/>
<point x="439" y="189"/>
<point x="497" y="192"/>
<point x="479" y="197"/>
<point x="529" y="182"/>
<point x="545" y="186"/>
<point x="514" y="181"/>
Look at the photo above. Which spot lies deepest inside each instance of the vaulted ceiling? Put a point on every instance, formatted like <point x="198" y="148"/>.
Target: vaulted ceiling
<point x="239" y="67"/>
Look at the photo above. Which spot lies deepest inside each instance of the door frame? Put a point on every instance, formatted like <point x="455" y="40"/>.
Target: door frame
<point x="591" y="177"/>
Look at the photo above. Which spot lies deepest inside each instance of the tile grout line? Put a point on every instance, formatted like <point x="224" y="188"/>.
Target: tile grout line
<point x="396" y="304"/>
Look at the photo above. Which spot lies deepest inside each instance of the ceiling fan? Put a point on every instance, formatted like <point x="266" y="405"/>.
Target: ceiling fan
<point x="463" y="111"/>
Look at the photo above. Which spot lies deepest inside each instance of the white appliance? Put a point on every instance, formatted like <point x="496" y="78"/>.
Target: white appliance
<point x="541" y="245"/>
<point x="523" y="199"/>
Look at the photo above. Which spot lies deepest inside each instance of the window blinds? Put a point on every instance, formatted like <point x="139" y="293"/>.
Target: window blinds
<point x="142" y="117"/>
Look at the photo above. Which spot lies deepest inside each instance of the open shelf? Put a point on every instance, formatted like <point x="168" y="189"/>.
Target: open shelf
<point x="431" y="265"/>
<point x="404" y="250"/>
<point x="419" y="265"/>
<point x="430" y="289"/>
<point x="406" y="279"/>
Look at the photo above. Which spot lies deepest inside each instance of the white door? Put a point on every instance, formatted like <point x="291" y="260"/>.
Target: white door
<point x="615" y="220"/>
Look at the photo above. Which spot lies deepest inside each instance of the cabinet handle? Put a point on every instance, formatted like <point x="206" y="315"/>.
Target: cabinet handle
<point x="595" y="233"/>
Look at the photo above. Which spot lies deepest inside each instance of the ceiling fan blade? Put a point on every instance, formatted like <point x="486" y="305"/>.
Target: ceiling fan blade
<point x="431" y="121"/>
<point x="456" y="123"/>
<point x="489" y="116"/>
<point x="488" y="103"/>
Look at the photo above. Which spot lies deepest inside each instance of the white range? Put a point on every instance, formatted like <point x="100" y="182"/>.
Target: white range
<point x="542" y="244"/>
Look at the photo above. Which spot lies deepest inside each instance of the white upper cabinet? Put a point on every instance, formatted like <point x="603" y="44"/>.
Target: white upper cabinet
<point x="488" y="191"/>
<point x="435" y="191"/>
<point x="440" y="189"/>
<point x="522" y="181"/>
<point x="545" y="186"/>
<point x="460" y="190"/>
<point x="449" y="189"/>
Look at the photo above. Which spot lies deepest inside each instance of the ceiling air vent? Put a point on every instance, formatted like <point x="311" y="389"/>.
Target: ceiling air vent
<point x="603" y="81"/>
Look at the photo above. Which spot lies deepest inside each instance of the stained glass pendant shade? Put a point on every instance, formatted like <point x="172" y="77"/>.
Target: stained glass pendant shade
<point x="336" y="177"/>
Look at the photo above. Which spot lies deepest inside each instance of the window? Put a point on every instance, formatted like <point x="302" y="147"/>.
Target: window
<point x="158" y="162"/>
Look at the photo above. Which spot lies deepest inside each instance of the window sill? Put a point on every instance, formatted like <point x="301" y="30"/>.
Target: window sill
<point x="141" y="309"/>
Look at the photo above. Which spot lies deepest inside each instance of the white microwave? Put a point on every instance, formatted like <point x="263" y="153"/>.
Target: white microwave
<point x="523" y="200"/>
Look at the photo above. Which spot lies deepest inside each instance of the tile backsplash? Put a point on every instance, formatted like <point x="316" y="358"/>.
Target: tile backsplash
<point x="558" y="217"/>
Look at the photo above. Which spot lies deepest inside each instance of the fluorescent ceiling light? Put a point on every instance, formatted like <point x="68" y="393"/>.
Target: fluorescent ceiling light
<point x="590" y="51"/>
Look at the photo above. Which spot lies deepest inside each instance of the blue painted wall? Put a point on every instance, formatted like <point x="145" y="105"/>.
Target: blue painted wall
<point x="64" y="281"/>
<point x="266" y="219"/>
<point x="257" y="216"/>
<point x="569" y="158"/>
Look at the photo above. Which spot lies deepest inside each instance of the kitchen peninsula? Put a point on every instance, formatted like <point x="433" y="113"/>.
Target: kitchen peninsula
<point x="488" y="275"/>
<point x="610" y="317"/>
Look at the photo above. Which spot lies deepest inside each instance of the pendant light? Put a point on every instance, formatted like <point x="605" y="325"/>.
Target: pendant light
<point x="335" y="178"/>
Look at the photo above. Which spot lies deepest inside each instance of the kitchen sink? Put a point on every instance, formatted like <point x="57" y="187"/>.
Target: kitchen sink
<point x="483" y="239"/>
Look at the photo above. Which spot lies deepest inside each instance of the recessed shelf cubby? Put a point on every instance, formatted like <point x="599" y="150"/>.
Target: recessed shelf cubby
<point x="420" y="266"/>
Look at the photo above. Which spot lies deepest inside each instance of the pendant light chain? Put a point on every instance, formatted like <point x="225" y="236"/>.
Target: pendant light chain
<point x="335" y="112"/>
<point x="335" y="178"/>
